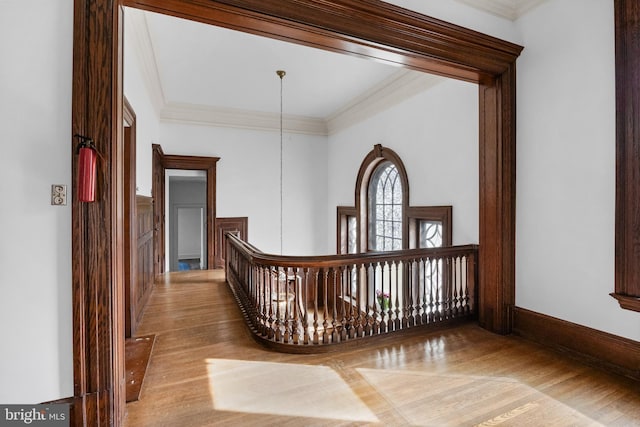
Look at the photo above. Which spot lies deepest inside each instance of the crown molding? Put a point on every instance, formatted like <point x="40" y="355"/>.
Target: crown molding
<point x="174" y="112"/>
<point x="509" y="9"/>
<point x="398" y="87"/>
<point x="391" y="91"/>
<point x="136" y="25"/>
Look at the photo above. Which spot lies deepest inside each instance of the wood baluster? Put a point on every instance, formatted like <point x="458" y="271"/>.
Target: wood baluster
<point x="353" y="305"/>
<point x="377" y="308"/>
<point x="457" y="293"/>
<point x="433" y="295"/>
<point x="315" y="306"/>
<point x="334" y="294"/>
<point x="407" y="296"/>
<point x="305" y="305"/>
<point x="325" y="306"/>
<point x="278" y="321"/>
<point x="348" y="308"/>
<point x="264" y="314"/>
<point x="424" y="317"/>
<point x="359" y="303"/>
<point x="472" y="283"/>
<point x="344" y="297"/>
<point x="370" y="310"/>
<point x="271" y="331"/>
<point x="287" y="310"/>
<point x="386" y="288"/>
<point x="397" y="322"/>
<point x="296" y="307"/>
<point x="446" y="280"/>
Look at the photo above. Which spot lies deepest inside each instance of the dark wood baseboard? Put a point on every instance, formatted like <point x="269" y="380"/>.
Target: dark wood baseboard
<point x="610" y="352"/>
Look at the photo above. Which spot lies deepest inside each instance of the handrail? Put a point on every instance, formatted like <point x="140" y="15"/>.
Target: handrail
<point x="305" y="303"/>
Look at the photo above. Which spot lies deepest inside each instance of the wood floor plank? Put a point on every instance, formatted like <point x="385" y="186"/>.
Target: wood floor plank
<point x="206" y="369"/>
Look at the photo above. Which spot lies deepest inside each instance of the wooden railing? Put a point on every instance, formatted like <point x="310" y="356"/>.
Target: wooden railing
<point x="305" y="303"/>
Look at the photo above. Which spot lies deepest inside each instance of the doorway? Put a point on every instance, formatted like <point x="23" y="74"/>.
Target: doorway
<point x="186" y="226"/>
<point x="194" y="169"/>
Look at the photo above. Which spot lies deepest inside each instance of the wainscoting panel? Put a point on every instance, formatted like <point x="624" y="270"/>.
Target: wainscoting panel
<point x="607" y="351"/>
<point x="237" y="225"/>
<point x="143" y="283"/>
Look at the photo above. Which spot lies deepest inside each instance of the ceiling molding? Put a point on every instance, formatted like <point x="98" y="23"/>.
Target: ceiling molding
<point x="243" y="119"/>
<point x="397" y="88"/>
<point x="136" y="25"/>
<point x="509" y="9"/>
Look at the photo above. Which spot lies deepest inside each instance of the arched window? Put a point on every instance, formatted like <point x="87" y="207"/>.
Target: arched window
<point x="386" y="215"/>
<point x="382" y="219"/>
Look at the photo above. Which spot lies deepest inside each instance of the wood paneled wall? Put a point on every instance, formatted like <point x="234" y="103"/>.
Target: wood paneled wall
<point x="142" y="285"/>
<point x="236" y="225"/>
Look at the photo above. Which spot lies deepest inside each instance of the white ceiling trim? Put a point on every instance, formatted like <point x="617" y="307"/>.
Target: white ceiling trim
<point x="509" y="9"/>
<point x="206" y="115"/>
<point x="391" y="91"/>
<point x="136" y="25"/>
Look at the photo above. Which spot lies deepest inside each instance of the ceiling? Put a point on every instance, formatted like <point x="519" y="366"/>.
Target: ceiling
<point x="205" y="74"/>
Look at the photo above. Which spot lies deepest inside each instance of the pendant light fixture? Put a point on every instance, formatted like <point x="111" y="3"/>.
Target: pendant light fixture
<point x="281" y="74"/>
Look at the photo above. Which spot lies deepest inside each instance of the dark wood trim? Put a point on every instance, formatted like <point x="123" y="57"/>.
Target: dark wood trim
<point x="129" y="218"/>
<point x="371" y="161"/>
<point x="157" y="194"/>
<point x="342" y="227"/>
<point x="496" y="265"/>
<point x="97" y="228"/>
<point x="142" y="284"/>
<point x="627" y="302"/>
<point x="627" y="259"/>
<point x="607" y="351"/>
<point x="238" y="226"/>
<point x="443" y="214"/>
<point x="366" y="28"/>
<point x="207" y="164"/>
<point x="73" y="403"/>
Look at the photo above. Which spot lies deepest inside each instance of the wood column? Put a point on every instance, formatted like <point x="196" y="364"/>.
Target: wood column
<point x="497" y="202"/>
<point x="627" y="276"/>
<point x="97" y="229"/>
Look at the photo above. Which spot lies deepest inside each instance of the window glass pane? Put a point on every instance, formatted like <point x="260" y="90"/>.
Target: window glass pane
<point x="352" y="234"/>
<point x="430" y="234"/>
<point x="385" y="208"/>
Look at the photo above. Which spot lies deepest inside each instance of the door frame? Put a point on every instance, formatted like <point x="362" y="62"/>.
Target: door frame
<point x="365" y="28"/>
<point x="172" y="161"/>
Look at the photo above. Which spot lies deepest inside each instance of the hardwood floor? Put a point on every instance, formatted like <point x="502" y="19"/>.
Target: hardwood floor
<point x="206" y="369"/>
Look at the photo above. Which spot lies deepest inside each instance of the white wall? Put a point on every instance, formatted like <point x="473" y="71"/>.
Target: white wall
<point x="435" y="133"/>
<point x="147" y="122"/>
<point x="36" y="41"/>
<point x="465" y="16"/>
<point x="248" y="182"/>
<point x="566" y="166"/>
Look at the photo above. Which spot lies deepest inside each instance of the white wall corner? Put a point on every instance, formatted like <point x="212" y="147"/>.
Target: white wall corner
<point x="398" y="87"/>
<point x="136" y="25"/>
<point x="181" y="113"/>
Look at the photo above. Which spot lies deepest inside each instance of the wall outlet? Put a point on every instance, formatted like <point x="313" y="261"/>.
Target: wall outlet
<point x="58" y="195"/>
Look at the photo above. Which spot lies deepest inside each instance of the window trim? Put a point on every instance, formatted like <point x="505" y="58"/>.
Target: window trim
<point x="430" y="213"/>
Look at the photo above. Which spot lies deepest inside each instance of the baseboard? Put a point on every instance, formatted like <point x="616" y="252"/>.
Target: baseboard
<point x="610" y="352"/>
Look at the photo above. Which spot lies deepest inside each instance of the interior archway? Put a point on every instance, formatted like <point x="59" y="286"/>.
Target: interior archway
<point x="367" y="28"/>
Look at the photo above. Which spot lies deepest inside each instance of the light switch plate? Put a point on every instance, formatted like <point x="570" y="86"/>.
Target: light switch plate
<point x="58" y="195"/>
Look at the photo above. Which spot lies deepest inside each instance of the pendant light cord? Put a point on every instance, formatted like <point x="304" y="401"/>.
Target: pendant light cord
<point x="281" y="74"/>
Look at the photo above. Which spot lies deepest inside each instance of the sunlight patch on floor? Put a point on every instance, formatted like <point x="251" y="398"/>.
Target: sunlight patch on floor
<point x="425" y="399"/>
<point x="284" y="389"/>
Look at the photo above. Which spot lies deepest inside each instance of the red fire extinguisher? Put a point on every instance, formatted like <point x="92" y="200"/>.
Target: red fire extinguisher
<point x="87" y="161"/>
